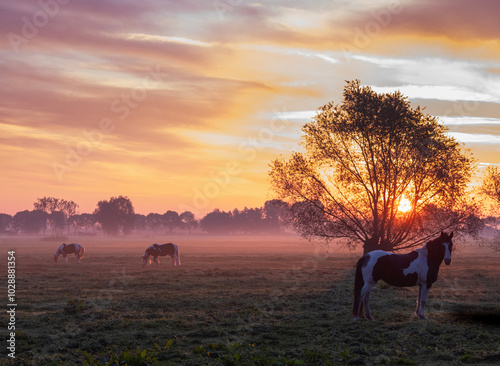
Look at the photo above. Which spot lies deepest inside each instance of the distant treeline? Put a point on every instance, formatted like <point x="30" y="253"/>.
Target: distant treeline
<point x="58" y="217"/>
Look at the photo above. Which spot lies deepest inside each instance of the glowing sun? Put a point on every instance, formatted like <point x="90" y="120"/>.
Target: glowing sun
<point x="404" y="205"/>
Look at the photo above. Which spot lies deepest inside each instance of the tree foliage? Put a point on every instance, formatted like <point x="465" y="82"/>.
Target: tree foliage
<point x="5" y="222"/>
<point x="115" y="215"/>
<point x="491" y="184"/>
<point x="58" y="212"/>
<point x="188" y="220"/>
<point x="29" y="222"/>
<point x="364" y="157"/>
<point x="490" y="187"/>
<point x="171" y="220"/>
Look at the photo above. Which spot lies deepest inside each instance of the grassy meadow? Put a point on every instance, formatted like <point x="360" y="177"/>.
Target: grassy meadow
<point x="241" y="301"/>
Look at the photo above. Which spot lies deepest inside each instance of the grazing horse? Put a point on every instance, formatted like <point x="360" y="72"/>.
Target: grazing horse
<point x="419" y="267"/>
<point x="161" y="250"/>
<point x="66" y="249"/>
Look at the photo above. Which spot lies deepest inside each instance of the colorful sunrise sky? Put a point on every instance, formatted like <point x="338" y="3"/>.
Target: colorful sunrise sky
<point x="182" y="105"/>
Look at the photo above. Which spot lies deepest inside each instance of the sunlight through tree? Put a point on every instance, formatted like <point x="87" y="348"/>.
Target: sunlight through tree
<point x="372" y="171"/>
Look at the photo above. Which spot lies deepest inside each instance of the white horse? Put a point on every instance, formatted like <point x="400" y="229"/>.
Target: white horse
<point x="65" y="249"/>
<point x="161" y="250"/>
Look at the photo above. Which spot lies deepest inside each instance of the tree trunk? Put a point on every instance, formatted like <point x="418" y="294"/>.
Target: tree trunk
<point x="370" y="245"/>
<point x="373" y="244"/>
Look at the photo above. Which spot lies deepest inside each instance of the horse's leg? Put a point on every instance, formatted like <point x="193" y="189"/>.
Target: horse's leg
<point x="367" y="303"/>
<point x="357" y="309"/>
<point x="365" y="300"/>
<point x="359" y="283"/>
<point x="65" y="258"/>
<point x="423" y="292"/>
<point x="417" y="310"/>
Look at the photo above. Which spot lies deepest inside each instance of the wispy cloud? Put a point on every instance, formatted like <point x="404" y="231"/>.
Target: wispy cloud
<point x="469" y="121"/>
<point x="223" y="83"/>
<point x="475" y="138"/>
<point x="441" y="92"/>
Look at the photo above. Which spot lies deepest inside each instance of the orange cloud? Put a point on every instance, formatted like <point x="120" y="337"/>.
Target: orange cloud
<point x="171" y="103"/>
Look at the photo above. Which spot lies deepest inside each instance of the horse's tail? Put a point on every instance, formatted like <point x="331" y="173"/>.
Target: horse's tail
<point x="177" y="256"/>
<point x="358" y="285"/>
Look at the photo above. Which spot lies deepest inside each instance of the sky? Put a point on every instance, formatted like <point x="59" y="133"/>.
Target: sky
<point x="182" y="105"/>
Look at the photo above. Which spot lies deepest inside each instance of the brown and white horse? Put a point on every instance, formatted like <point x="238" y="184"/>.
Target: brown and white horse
<point x="419" y="267"/>
<point x="65" y="249"/>
<point x="161" y="250"/>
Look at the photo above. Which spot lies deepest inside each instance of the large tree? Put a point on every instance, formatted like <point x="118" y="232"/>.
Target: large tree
<point x="115" y="215"/>
<point x="372" y="170"/>
<point x="188" y="220"/>
<point x="171" y="220"/>
<point x="30" y="222"/>
<point x="277" y="214"/>
<point x="5" y="222"/>
<point x="490" y="187"/>
<point x="58" y="210"/>
<point x="491" y="184"/>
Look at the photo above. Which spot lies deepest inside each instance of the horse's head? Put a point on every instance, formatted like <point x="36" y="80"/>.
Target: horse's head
<point x="144" y="260"/>
<point x="56" y="258"/>
<point x="447" y="246"/>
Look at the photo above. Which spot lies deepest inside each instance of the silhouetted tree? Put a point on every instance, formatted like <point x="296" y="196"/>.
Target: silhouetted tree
<point x="188" y="220"/>
<point x="277" y="214"/>
<point x="154" y="221"/>
<point x="217" y="222"/>
<point x="362" y="159"/>
<point x="115" y="215"/>
<point x="140" y="222"/>
<point x="51" y="205"/>
<point x="249" y="220"/>
<point x="5" y="222"/>
<point x="44" y="204"/>
<point x="30" y="222"/>
<point x="171" y="220"/>
<point x="68" y="207"/>
<point x="83" y="221"/>
<point x="58" y="220"/>
<point x="235" y="224"/>
<point x="490" y="185"/>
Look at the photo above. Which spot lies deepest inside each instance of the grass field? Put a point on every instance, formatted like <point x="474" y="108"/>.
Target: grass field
<point x="241" y="301"/>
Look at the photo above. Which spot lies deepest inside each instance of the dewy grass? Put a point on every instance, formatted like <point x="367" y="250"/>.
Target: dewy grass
<point x="260" y="301"/>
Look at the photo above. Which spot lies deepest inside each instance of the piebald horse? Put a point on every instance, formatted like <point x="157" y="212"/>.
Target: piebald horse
<point x="161" y="250"/>
<point x="65" y="249"/>
<point x="419" y="267"/>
